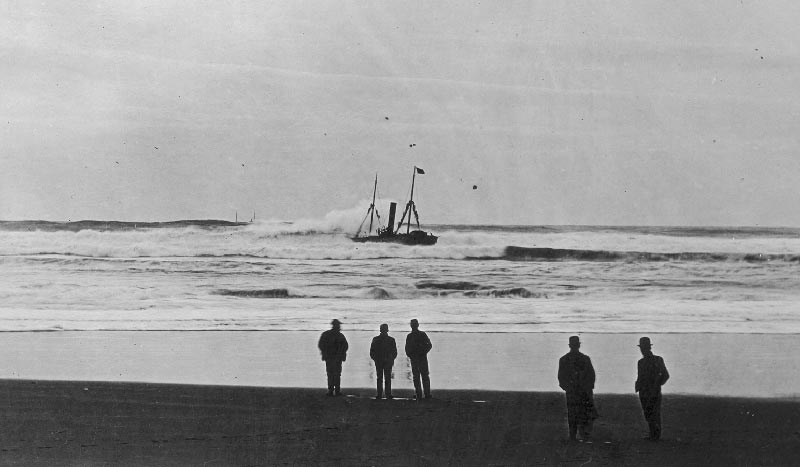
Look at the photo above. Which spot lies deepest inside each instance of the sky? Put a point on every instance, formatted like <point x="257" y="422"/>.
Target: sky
<point x="623" y="112"/>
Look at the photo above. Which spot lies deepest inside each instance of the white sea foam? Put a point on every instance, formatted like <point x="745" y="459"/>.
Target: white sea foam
<point x="176" y="278"/>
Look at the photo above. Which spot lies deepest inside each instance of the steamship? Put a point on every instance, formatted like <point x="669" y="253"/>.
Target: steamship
<point x="389" y="233"/>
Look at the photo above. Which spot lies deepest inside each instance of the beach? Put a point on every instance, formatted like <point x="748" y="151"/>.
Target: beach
<point x="240" y="398"/>
<point x="735" y="365"/>
<point x="198" y="345"/>
<point x="93" y="423"/>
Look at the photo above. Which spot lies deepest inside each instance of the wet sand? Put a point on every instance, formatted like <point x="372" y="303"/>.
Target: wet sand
<point x="92" y="423"/>
<point x="740" y="365"/>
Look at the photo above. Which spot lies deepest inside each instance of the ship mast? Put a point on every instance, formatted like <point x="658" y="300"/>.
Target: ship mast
<point x="372" y="206"/>
<point x="410" y="208"/>
<point x="411" y="200"/>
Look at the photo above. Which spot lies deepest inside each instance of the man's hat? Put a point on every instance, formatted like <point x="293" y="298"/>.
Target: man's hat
<point x="414" y="321"/>
<point x="384" y="327"/>
<point x="574" y="340"/>
<point x="645" y="342"/>
<point x="336" y="322"/>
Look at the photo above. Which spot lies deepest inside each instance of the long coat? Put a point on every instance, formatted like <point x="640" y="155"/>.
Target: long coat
<point x="576" y="373"/>
<point x="333" y="345"/>
<point x="383" y="349"/>
<point x="417" y="344"/>
<point x="652" y="374"/>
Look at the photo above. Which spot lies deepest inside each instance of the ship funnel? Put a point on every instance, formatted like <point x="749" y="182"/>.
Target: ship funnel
<point x="392" y="209"/>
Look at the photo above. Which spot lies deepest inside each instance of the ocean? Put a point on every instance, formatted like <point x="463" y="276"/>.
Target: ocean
<point x="263" y="276"/>
<point x="213" y="302"/>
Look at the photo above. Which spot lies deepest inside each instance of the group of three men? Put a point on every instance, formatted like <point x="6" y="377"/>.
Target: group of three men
<point x="576" y="377"/>
<point x="383" y="351"/>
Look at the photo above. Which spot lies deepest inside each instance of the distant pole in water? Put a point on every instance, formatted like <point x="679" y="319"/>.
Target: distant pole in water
<point x="237" y="216"/>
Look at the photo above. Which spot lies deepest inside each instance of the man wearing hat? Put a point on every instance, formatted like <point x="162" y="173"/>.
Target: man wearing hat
<point x="652" y="375"/>
<point x="333" y="347"/>
<point x="383" y="351"/>
<point x="576" y="377"/>
<point x="417" y="347"/>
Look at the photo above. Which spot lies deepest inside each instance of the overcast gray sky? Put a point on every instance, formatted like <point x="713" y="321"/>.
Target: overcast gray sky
<point x="580" y="112"/>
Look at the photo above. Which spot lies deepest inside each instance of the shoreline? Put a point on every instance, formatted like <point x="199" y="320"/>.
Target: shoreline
<point x="738" y="365"/>
<point x="100" y="423"/>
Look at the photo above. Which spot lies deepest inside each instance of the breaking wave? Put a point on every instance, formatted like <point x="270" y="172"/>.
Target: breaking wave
<point x="378" y="294"/>
<point x="516" y="253"/>
<point x="265" y="293"/>
<point x="460" y="285"/>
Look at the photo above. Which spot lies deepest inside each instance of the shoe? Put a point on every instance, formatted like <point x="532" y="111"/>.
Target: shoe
<point x="389" y="396"/>
<point x="377" y="398"/>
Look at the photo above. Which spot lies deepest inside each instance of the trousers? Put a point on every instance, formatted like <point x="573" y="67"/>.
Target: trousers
<point x="333" y="367"/>
<point x="383" y="372"/>
<point x="419" y="370"/>
<point x="651" y="408"/>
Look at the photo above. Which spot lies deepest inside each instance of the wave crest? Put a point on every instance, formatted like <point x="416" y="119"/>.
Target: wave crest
<point x="516" y="253"/>
<point x="263" y="293"/>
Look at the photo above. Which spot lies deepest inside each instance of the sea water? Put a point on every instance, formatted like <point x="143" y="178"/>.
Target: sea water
<point x="209" y="302"/>
<point x="262" y="276"/>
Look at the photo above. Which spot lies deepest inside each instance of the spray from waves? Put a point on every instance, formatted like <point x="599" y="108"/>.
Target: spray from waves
<point x="515" y="253"/>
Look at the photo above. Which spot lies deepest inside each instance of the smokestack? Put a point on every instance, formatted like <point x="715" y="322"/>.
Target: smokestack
<point x="392" y="209"/>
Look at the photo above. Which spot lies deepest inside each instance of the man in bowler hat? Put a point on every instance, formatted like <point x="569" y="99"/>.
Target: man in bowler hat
<point x="417" y="347"/>
<point x="576" y="377"/>
<point x="652" y="374"/>
<point x="383" y="351"/>
<point x="333" y="347"/>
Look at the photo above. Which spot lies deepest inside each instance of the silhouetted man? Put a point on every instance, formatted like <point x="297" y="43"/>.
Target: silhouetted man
<point x="333" y="347"/>
<point x="417" y="347"/>
<point x="576" y="377"/>
<point x="652" y="374"/>
<point x="383" y="351"/>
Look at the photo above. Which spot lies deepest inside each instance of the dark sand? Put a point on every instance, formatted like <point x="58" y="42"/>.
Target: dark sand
<point x="75" y="423"/>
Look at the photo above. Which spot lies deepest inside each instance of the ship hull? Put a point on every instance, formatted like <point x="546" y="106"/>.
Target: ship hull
<point x="417" y="237"/>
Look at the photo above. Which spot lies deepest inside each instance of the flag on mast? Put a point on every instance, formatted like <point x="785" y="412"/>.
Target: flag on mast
<point x="419" y="171"/>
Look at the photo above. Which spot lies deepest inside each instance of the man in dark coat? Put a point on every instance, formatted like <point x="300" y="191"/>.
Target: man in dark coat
<point x="576" y="377"/>
<point x="383" y="351"/>
<point x="333" y="347"/>
<point x="652" y="374"/>
<point x="417" y="347"/>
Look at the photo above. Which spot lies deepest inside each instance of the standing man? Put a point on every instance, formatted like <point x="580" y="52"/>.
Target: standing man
<point x="417" y="347"/>
<point x="333" y="347"/>
<point x="576" y="377"/>
<point x="383" y="351"/>
<point x="652" y="375"/>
